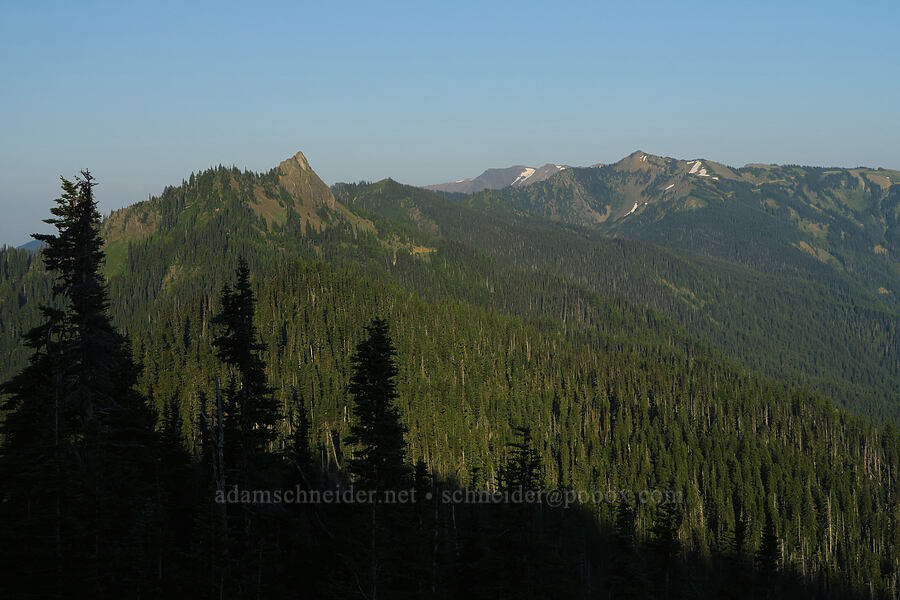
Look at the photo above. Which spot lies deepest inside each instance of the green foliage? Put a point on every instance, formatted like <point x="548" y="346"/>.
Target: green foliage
<point x="740" y="282"/>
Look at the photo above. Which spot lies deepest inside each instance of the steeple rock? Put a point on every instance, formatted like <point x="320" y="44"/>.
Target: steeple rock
<point x="302" y="183"/>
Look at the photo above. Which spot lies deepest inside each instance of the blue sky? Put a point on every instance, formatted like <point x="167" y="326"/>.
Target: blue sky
<point x="143" y="93"/>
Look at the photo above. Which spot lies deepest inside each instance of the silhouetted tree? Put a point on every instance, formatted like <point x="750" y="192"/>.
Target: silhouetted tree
<point x="78" y="440"/>
<point x="299" y="444"/>
<point x="379" y="460"/>
<point x="522" y="470"/>
<point x="768" y="558"/>
<point x="665" y="551"/>
<point x="626" y="574"/>
<point x="378" y="463"/>
<point x="252" y="410"/>
<point x="736" y="580"/>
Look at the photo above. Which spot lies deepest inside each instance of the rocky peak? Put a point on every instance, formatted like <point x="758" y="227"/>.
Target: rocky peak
<point x="302" y="183"/>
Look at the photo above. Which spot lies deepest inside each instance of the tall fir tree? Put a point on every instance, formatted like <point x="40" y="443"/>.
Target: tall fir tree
<point x="520" y="549"/>
<point x="736" y="580"/>
<point x="522" y="470"/>
<point x="380" y="459"/>
<point x="299" y="451"/>
<point x="252" y="410"/>
<point x="768" y="559"/>
<point x="78" y="439"/>
<point x="665" y="551"/>
<point x="627" y="577"/>
<point x="243" y="432"/>
<point x="379" y="463"/>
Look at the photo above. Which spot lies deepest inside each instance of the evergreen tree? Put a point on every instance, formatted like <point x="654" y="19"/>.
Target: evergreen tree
<point x="523" y="560"/>
<point x="379" y="461"/>
<point x="736" y="577"/>
<point x="78" y="442"/>
<point x="626" y="575"/>
<point x="37" y="473"/>
<point x="253" y="412"/>
<point x="665" y="549"/>
<point x="522" y="471"/>
<point x="177" y="505"/>
<point x="299" y="450"/>
<point x="248" y="432"/>
<point x="768" y="558"/>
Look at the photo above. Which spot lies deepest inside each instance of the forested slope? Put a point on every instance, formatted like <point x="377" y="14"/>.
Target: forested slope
<point x="803" y="323"/>
<point x="629" y="363"/>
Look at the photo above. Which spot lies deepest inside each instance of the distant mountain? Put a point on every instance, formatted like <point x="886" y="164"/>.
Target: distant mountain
<point x="32" y="246"/>
<point x="792" y="270"/>
<point x="495" y="179"/>
<point x="769" y="217"/>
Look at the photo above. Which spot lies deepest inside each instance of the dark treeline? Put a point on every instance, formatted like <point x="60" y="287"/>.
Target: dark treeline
<point x="261" y="379"/>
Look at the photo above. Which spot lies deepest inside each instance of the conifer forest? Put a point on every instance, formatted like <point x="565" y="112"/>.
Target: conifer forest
<point x="254" y="385"/>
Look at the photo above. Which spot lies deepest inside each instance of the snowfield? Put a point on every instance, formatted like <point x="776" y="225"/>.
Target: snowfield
<point x="523" y="176"/>
<point x="698" y="169"/>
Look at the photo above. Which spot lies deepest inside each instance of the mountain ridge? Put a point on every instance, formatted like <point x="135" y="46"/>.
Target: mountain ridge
<point x="847" y="218"/>
<point x="646" y="365"/>
<point x="498" y="178"/>
<point x="288" y="210"/>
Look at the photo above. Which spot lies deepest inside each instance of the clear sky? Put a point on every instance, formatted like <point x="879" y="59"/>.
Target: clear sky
<point x="143" y="93"/>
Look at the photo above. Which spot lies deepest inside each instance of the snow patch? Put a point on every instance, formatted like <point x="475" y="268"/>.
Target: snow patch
<point x="523" y="176"/>
<point x="670" y="186"/>
<point x="633" y="208"/>
<point x="698" y="169"/>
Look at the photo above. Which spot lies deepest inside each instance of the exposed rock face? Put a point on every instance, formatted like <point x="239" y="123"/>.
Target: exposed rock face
<point x="302" y="183"/>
